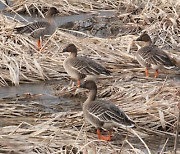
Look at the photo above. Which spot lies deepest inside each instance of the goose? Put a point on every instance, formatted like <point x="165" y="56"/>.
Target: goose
<point x="150" y="56"/>
<point x="80" y="67"/>
<point x="102" y="114"/>
<point x="40" y="28"/>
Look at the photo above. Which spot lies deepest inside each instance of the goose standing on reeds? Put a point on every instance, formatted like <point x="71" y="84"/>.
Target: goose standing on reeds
<point x="40" y="28"/>
<point x="79" y="67"/>
<point x="150" y="56"/>
<point x="103" y="114"/>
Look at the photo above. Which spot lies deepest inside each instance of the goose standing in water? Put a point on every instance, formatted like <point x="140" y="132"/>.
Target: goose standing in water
<point x="40" y="28"/>
<point x="79" y="67"/>
<point x="102" y="114"/>
<point x="150" y="56"/>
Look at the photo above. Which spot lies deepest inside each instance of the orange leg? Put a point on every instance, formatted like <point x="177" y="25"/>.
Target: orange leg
<point x="147" y="73"/>
<point x="78" y="83"/>
<point x="156" y="74"/>
<point x="99" y="134"/>
<point x="39" y="44"/>
<point x="105" y="138"/>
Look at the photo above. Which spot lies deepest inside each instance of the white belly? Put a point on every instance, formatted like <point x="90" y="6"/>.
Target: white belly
<point x="155" y="67"/>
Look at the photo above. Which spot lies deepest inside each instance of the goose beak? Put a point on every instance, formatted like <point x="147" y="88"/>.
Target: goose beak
<point x="138" y="39"/>
<point x="56" y="12"/>
<point x="64" y="50"/>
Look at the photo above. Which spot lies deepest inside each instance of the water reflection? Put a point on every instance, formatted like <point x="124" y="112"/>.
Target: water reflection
<point x="42" y="94"/>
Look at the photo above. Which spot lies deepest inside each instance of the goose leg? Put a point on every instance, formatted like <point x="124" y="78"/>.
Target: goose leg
<point x="39" y="44"/>
<point x="147" y="72"/>
<point x="78" y="83"/>
<point x="99" y="134"/>
<point x="156" y="74"/>
<point x="105" y="138"/>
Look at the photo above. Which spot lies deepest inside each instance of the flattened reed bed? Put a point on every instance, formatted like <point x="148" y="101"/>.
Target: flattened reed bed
<point x="151" y="103"/>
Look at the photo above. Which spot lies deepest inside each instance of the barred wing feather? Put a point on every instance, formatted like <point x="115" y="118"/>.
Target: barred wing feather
<point x="106" y="112"/>
<point x="87" y="66"/>
<point x="34" y="29"/>
<point x="154" y="55"/>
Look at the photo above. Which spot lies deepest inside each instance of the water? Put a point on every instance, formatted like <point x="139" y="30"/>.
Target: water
<point x="84" y="20"/>
<point x="42" y="95"/>
<point x="45" y="101"/>
<point x="35" y="88"/>
<point x="59" y="20"/>
<point x="2" y="5"/>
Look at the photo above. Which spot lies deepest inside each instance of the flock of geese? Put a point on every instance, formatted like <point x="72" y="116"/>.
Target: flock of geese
<point x="99" y="113"/>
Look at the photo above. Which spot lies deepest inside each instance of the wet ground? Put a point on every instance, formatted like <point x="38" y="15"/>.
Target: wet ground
<point x="39" y="99"/>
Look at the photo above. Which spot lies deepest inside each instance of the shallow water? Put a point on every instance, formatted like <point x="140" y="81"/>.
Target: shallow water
<point x="2" y="6"/>
<point x="35" y="98"/>
<point x="59" y="20"/>
<point x="43" y="98"/>
<point x="46" y="102"/>
<point x="82" y="21"/>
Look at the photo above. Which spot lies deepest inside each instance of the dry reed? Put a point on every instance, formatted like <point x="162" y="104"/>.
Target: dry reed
<point x="151" y="103"/>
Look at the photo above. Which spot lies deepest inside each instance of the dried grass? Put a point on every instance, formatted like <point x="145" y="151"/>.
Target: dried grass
<point x="151" y="103"/>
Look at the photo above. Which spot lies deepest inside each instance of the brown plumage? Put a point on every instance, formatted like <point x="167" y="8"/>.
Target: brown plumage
<point x="150" y="56"/>
<point x="80" y="67"/>
<point x="40" y="28"/>
<point x="102" y="114"/>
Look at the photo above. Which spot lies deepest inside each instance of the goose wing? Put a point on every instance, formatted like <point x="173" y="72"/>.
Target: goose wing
<point x="87" y="66"/>
<point x="156" y="56"/>
<point x="108" y="113"/>
<point x="36" y="29"/>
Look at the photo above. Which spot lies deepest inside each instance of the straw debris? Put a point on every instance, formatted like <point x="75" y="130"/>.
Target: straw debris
<point x="151" y="103"/>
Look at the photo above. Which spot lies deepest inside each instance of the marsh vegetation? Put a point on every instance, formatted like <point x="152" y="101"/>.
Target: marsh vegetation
<point x="31" y="124"/>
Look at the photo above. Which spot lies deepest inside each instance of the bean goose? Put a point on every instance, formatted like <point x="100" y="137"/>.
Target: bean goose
<point x="40" y="28"/>
<point x="150" y="56"/>
<point x="79" y="67"/>
<point x="102" y="114"/>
